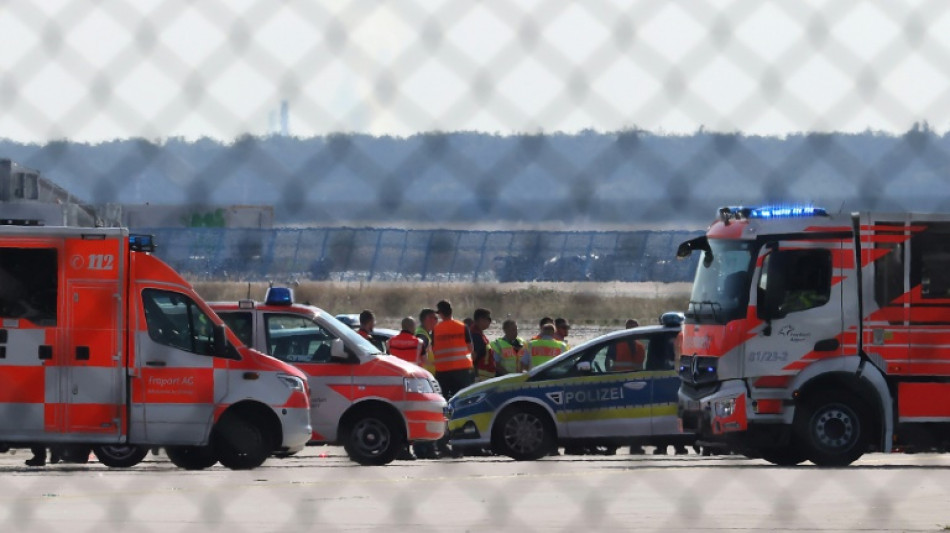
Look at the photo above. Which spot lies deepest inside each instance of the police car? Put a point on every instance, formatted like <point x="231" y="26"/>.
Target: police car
<point x="620" y="388"/>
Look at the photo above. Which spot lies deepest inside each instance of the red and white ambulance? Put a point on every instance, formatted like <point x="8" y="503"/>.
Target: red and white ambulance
<point x="372" y="403"/>
<point x="103" y="345"/>
<point x="820" y="337"/>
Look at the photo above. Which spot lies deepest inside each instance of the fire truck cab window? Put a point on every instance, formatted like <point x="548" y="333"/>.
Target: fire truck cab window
<point x="297" y="339"/>
<point x="801" y="277"/>
<point x="175" y="320"/>
<point x="930" y="261"/>
<point x="29" y="284"/>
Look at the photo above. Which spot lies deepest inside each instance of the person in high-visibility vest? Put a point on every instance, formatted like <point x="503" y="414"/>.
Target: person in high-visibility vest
<point x="452" y="348"/>
<point x="482" y="356"/>
<point x="508" y="349"/>
<point x="542" y="350"/>
<point x="629" y="354"/>
<point x="406" y="345"/>
<point x="427" y="321"/>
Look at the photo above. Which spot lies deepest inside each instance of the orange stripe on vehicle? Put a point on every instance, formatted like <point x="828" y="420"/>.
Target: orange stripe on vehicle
<point x="922" y="399"/>
<point x="772" y="382"/>
<point x="91" y="416"/>
<point x="430" y="416"/>
<point x="297" y="400"/>
<point x="768" y="406"/>
<point x="22" y="384"/>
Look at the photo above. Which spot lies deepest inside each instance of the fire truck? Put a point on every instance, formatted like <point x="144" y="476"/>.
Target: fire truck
<point x="372" y="403"/>
<point x="104" y="346"/>
<point x="817" y="336"/>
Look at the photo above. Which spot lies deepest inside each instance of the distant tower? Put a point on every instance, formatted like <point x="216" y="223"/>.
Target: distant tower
<point x="284" y="118"/>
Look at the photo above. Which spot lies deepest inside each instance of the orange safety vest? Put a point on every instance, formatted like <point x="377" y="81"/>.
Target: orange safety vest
<point x="405" y="346"/>
<point x="449" y="346"/>
<point x="627" y="360"/>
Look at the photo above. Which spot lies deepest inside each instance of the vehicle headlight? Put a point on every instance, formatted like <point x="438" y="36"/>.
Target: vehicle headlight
<point x="419" y="385"/>
<point x="293" y="382"/>
<point x="469" y="400"/>
<point x="725" y="408"/>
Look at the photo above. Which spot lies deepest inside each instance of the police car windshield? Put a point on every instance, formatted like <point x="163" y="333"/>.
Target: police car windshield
<point x="346" y="333"/>
<point x="721" y="288"/>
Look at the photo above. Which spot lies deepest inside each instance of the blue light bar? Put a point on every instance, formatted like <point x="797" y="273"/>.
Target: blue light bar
<point x="279" y="296"/>
<point x="142" y="243"/>
<point x="787" y="212"/>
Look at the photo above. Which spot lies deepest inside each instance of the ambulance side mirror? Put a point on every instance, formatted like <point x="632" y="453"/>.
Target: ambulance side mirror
<point x="219" y="340"/>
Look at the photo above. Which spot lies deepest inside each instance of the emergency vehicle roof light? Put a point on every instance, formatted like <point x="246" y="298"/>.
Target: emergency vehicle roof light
<point x="142" y="243"/>
<point x="787" y="212"/>
<point x="279" y="296"/>
<point x="672" y="318"/>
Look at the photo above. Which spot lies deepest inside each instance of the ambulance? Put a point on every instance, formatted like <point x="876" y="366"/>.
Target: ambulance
<point x="819" y="337"/>
<point x="103" y="345"/>
<point x="590" y="396"/>
<point x="372" y="403"/>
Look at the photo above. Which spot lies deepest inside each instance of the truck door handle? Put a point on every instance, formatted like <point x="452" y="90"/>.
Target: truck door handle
<point x="155" y="363"/>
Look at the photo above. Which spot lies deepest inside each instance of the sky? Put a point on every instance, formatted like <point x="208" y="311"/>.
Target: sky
<point x="111" y="69"/>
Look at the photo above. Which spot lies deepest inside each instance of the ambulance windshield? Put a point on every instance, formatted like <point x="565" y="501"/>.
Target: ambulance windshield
<point x="721" y="289"/>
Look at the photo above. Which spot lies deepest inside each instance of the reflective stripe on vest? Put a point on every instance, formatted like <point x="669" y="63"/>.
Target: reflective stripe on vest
<point x="509" y="355"/>
<point x="449" y="346"/>
<point x="405" y="346"/>
<point x="543" y="350"/>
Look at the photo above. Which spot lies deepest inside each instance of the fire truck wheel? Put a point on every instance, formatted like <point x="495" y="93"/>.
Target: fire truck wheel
<point x="239" y="443"/>
<point x="120" y="455"/>
<point x="373" y="439"/>
<point x="191" y="457"/>
<point x="524" y="433"/>
<point x="832" y="428"/>
<point x="783" y="456"/>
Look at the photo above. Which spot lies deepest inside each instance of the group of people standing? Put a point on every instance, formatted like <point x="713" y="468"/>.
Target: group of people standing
<point x="459" y="353"/>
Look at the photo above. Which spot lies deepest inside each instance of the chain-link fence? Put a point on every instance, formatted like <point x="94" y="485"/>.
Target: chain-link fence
<point x="503" y="140"/>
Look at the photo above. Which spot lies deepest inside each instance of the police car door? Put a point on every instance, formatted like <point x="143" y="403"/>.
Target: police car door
<point x="306" y="344"/>
<point x="660" y="369"/>
<point x="604" y="400"/>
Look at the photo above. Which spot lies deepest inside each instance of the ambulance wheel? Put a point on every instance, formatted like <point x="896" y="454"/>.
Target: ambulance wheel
<point x="524" y="433"/>
<point x="191" y="457"/>
<point x="783" y="456"/>
<point x="373" y="439"/>
<point x="832" y="428"/>
<point x="239" y="443"/>
<point x="120" y="455"/>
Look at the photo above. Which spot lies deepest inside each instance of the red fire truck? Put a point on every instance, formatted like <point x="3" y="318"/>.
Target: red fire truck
<point x="103" y="345"/>
<point x="820" y="337"/>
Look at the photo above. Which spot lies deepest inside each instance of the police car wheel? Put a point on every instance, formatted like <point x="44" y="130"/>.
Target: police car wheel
<point x="120" y="455"/>
<point x="524" y="433"/>
<point x="832" y="428"/>
<point x="191" y="457"/>
<point x="373" y="440"/>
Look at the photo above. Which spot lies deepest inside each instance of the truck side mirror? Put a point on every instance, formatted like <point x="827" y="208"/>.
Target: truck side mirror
<point x="219" y="340"/>
<point x="773" y="296"/>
